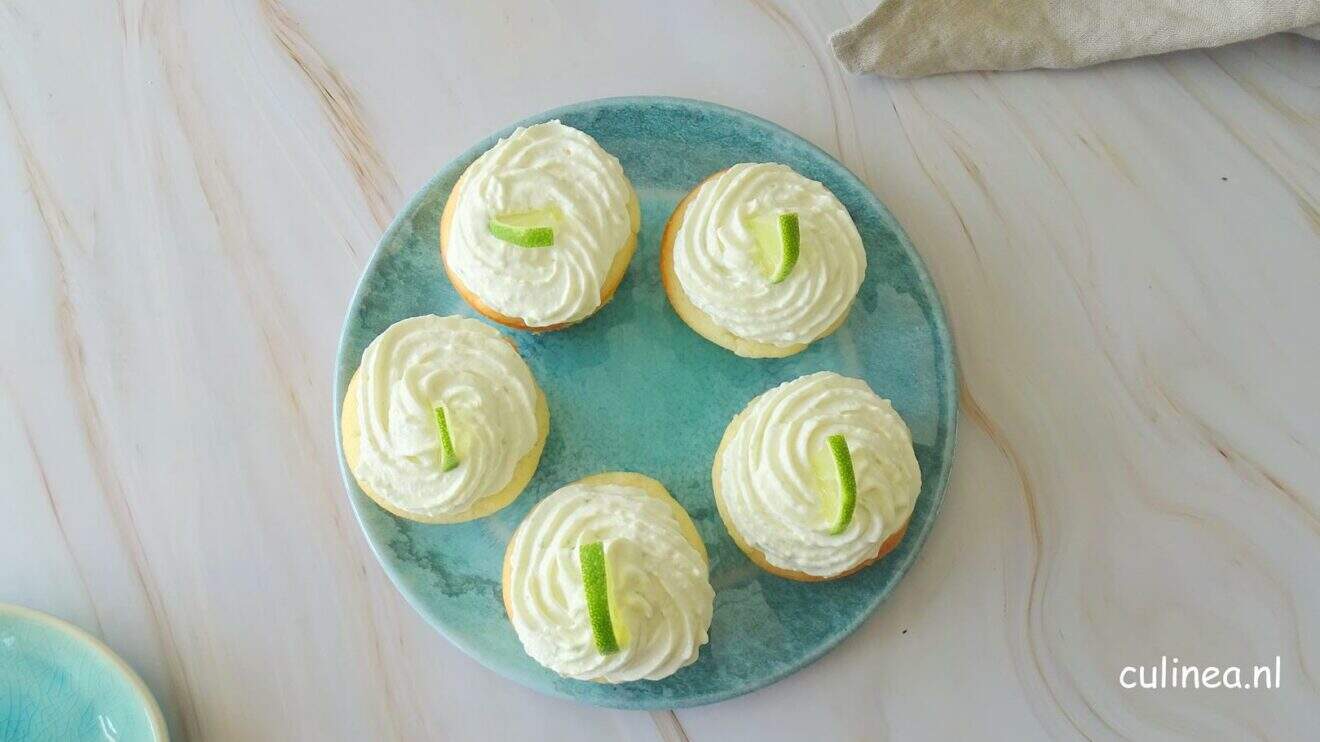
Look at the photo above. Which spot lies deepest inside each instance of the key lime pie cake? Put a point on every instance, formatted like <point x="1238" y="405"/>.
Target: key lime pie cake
<point x="816" y="478"/>
<point x="761" y="260"/>
<point x="443" y="421"/>
<point x="538" y="231"/>
<point x="607" y="580"/>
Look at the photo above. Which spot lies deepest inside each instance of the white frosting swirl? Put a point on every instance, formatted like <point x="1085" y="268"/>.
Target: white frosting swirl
<point x="543" y="167"/>
<point x="716" y="255"/>
<point x="658" y="580"/>
<point x="777" y="473"/>
<point x="489" y="397"/>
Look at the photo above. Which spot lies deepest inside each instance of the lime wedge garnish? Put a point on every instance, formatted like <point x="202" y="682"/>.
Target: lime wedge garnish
<point x="448" y="459"/>
<point x="531" y="229"/>
<point x="843" y="468"/>
<point x="779" y="241"/>
<point x="790" y="241"/>
<point x="595" y="583"/>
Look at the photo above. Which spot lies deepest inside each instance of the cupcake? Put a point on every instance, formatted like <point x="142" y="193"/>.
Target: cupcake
<point x="538" y="231"/>
<point x="816" y="478"/>
<point x="607" y="580"/>
<point x="761" y="260"/>
<point x="443" y="421"/>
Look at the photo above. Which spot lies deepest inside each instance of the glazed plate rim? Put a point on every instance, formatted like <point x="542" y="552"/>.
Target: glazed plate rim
<point x="938" y="321"/>
<point x="102" y="652"/>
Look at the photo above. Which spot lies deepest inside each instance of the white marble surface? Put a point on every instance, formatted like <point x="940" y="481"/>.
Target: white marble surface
<point x="1130" y="256"/>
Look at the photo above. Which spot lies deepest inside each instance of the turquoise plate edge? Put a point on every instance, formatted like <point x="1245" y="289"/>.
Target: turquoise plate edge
<point x="96" y="658"/>
<point x="636" y="695"/>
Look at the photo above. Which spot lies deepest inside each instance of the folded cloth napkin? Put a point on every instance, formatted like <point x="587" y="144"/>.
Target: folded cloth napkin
<point x="911" y="38"/>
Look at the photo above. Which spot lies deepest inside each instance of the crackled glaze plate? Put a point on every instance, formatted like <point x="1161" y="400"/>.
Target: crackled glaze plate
<point x="57" y="682"/>
<point x="633" y="388"/>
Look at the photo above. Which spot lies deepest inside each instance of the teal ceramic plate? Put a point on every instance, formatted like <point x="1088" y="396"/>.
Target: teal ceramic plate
<point x="60" y="684"/>
<point x="632" y="388"/>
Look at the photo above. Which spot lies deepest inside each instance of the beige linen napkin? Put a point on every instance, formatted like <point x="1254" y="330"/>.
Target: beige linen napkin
<point x="911" y="38"/>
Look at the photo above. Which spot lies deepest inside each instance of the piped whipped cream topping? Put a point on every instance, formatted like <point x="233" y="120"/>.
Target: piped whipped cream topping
<point x="717" y="256"/>
<point x="657" y="579"/>
<point x="588" y="201"/>
<point x="777" y="477"/>
<point x="489" y="397"/>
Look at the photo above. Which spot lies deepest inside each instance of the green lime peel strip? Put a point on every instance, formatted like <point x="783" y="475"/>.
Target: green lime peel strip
<point x="448" y="459"/>
<point x="847" y="482"/>
<point x="515" y="230"/>
<point x="790" y="243"/>
<point x="596" y="586"/>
